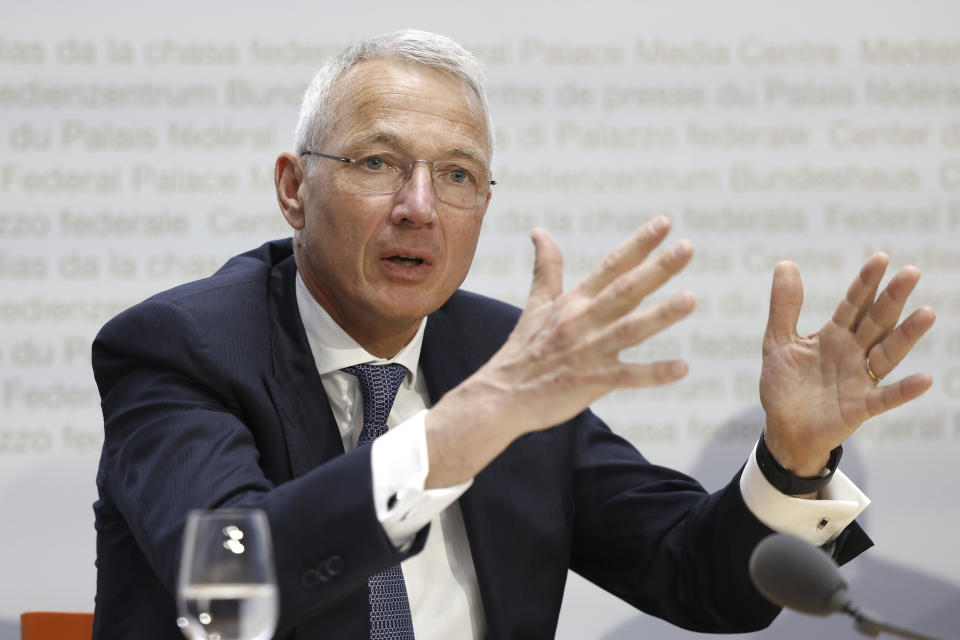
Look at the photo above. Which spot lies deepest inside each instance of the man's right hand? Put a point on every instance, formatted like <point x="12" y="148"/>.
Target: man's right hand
<point x="563" y="354"/>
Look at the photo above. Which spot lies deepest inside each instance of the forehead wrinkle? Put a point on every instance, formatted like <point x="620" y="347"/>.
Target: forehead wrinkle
<point x="378" y="137"/>
<point x="379" y="101"/>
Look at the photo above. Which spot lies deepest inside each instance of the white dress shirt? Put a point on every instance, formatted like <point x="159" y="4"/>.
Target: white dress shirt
<point x="441" y="580"/>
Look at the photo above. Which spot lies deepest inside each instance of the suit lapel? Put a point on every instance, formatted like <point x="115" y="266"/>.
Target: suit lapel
<point x="294" y="384"/>
<point x="313" y="437"/>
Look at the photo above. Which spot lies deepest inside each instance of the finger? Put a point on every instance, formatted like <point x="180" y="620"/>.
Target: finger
<point x="648" y="374"/>
<point x="547" y="269"/>
<point x="888" y="353"/>
<point x="786" y="300"/>
<point x="893" y="395"/>
<point x="628" y="255"/>
<point x="861" y="293"/>
<point x="637" y="327"/>
<point x="885" y="312"/>
<point x="627" y="291"/>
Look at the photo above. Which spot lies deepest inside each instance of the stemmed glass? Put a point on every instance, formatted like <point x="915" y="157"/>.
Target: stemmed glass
<point x="227" y="589"/>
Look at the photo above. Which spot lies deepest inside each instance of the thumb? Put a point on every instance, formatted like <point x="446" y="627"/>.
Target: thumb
<point x="786" y="300"/>
<point x="547" y="268"/>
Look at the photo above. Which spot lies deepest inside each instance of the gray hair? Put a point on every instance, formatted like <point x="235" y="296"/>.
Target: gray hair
<point x="420" y="47"/>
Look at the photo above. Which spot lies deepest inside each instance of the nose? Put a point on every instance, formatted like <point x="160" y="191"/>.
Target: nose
<point x="415" y="202"/>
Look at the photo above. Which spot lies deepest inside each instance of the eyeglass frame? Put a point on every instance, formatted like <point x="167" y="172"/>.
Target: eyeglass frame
<point x="413" y="163"/>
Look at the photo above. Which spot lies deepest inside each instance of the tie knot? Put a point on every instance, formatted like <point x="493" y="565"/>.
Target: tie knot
<point x="378" y="379"/>
<point x="379" y="384"/>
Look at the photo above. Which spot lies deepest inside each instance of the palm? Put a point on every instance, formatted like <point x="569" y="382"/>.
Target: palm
<point x="815" y="390"/>
<point x="802" y="383"/>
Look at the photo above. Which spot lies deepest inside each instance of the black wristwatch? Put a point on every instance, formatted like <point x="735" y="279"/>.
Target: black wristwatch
<point x="786" y="482"/>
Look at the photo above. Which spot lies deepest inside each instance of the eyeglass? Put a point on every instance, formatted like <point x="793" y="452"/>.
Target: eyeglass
<point x="461" y="183"/>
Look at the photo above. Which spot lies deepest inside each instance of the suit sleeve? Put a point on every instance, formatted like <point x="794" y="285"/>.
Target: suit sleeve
<point x="656" y="539"/>
<point x="179" y="435"/>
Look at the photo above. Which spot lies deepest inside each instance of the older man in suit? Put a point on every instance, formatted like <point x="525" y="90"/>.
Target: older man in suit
<point x="426" y="456"/>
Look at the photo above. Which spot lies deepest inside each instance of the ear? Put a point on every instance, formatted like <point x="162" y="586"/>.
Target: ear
<point x="288" y="177"/>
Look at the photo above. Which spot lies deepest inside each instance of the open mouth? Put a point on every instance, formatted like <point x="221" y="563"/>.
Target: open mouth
<point x="405" y="261"/>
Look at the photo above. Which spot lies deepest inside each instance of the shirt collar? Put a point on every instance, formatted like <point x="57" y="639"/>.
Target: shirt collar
<point x="333" y="348"/>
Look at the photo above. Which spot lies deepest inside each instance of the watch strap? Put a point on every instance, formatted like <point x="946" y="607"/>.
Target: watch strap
<point x="788" y="483"/>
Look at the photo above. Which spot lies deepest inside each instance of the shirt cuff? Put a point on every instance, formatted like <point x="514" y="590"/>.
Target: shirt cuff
<point x="400" y="465"/>
<point x="817" y="521"/>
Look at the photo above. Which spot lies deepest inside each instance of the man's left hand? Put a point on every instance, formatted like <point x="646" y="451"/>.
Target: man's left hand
<point x="816" y="390"/>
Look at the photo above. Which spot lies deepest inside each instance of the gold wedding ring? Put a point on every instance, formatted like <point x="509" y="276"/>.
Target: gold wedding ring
<point x="870" y="372"/>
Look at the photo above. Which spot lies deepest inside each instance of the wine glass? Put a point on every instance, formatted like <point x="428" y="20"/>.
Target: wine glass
<point x="227" y="589"/>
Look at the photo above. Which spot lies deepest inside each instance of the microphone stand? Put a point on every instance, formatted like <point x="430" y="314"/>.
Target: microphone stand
<point x="872" y="627"/>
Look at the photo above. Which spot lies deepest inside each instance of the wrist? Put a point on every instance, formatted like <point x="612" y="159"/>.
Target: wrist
<point x="464" y="433"/>
<point x="792" y="450"/>
<point x="788" y="482"/>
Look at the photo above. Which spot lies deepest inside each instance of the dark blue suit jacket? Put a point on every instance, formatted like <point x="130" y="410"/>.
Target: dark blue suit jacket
<point x="211" y="398"/>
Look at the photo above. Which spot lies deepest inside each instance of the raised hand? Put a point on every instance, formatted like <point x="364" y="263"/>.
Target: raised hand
<point x="563" y="353"/>
<point x="816" y="390"/>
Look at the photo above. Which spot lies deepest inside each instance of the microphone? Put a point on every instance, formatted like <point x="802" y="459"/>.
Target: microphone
<point x="790" y="572"/>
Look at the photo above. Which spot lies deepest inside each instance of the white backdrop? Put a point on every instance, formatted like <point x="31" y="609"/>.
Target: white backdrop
<point x="136" y="152"/>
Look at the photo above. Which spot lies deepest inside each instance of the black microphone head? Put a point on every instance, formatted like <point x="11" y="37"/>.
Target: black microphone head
<point x="792" y="573"/>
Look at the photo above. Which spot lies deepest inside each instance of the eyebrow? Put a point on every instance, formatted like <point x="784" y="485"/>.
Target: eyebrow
<point x="467" y="154"/>
<point x="392" y="140"/>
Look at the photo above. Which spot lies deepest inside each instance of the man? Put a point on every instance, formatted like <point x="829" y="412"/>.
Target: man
<point x="494" y="478"/>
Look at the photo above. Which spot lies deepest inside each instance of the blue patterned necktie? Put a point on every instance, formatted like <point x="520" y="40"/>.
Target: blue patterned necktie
<point x="390" y="617"/>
